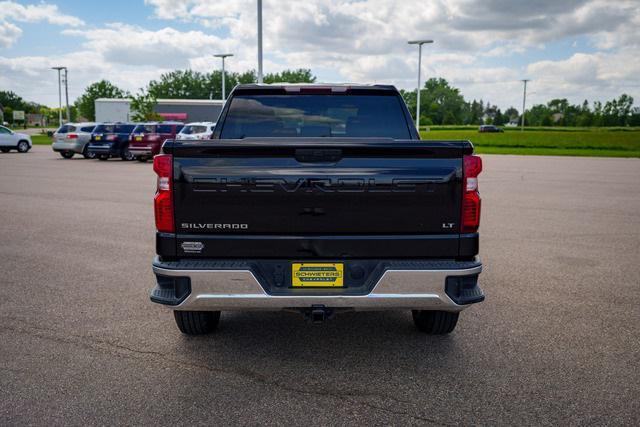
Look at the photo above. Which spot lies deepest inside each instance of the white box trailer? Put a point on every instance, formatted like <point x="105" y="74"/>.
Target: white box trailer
<point x="112" y="110"/>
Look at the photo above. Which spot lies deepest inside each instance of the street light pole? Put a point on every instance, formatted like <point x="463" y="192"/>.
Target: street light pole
<point x="223" y="55"/>
<point x="59" y="95"/>
<point x="419" y="43"/>
<point x="524" y="100"/>
<point x="259" y="41"/>
<point x="66" y="92"/>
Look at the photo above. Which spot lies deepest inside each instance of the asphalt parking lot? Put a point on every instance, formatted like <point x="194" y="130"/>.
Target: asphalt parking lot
<point x="556" y="341"/>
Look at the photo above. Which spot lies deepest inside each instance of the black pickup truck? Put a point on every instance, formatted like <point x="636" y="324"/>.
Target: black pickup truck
<point x="318" y="199"/>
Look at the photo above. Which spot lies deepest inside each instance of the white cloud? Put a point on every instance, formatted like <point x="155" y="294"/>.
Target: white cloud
<point x="587" y="76"/>
<point x="9" y="33"/>
<point x="12" y="11"/>
<point x="481" y="45"/>
<point x="133" y="45"/>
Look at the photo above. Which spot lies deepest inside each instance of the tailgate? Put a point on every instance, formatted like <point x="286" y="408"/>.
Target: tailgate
<point x="306" y="187"/>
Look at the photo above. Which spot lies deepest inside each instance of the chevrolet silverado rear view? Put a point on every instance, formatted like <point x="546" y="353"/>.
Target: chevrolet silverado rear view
<point x="317" y="199"/>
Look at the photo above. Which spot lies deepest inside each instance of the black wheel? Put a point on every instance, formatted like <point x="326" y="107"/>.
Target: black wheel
<point x="196" y="322"/>
<point x="66" y="154"/>
<point x="103" y="157"/>
<point x="126" y="155"/>
<point x="434" y="322"/>
<point x="23" y="147"/>
<point x="87" y="154"/>
<point x="141" y="159"/>
<point x="5" y="150"/>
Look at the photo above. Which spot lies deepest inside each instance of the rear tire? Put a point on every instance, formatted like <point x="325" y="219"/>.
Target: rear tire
<point x="23" y="147"/>
<point x="67" y="154"/>
<point x="126" y="155"/>
<point x="196" y="322"/>
<point x="87" y="154"/>
<point x="435" y="322"/>
<point x="5" y="150"/>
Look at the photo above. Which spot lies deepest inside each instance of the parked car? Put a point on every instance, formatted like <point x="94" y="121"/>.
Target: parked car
<point x="73" y="138"/>
<point x="332" y="204"/>
<point x="111" y="140"/>
<point x="147" y="138"/>
<point x="197" y="130"/>
<point x="489" y="129"/>
<point x="10" y="140"/>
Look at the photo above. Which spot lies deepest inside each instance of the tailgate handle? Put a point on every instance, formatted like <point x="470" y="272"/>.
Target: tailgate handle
<point x="310" y="155"/>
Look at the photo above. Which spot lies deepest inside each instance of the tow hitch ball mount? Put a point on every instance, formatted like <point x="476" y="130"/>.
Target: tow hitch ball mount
<point x="317" y="314"/>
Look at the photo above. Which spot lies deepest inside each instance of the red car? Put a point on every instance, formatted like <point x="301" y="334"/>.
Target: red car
<point x="147" y="138"/>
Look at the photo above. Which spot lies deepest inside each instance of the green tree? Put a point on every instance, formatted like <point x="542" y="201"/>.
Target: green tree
<point x="301" y="75"/>
<point x="439" y="101"/>
<point x="142" y="108"/>
<point x="86" y="103"/>
<point x="11" y="100"/>
<point x="634" y="118"/>
<point x="215" y="83"/>
<point x="538" y="115"/>
<point x="499" y="118"/>
<point x="511" y="114"/>
<point x="625" y="106"/>
<point x="184" y="84"/>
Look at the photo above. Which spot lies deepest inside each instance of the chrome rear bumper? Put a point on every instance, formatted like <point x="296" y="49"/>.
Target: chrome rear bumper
<point x="240" y="289"/>
<point x="140" y="151"/>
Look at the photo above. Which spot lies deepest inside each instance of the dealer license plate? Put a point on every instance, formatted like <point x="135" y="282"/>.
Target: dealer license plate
<point x="317" y="275"/>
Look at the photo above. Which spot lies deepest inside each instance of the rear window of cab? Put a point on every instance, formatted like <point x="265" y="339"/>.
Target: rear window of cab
<point x="123" y="128"/>
<point x="190" y="129"/>
<point x="145" y="129"/>
<point x="66" y="129"/>
<point x="103" y="129"/>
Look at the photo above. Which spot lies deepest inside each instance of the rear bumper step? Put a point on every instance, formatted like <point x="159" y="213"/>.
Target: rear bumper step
<point x="249" y="285"/>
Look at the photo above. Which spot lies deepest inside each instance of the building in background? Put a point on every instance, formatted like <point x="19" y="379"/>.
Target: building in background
<point x="185" y="110"/>
<point x="36" y="120"/>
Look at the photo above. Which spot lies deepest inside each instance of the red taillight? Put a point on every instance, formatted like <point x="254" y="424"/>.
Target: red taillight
<point x="163" y="201"/>
<point x="72" y="136"/>
<point x="471" y="168"/>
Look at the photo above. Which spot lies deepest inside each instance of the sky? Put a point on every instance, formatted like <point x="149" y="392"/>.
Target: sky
<point x="574" y="49"/>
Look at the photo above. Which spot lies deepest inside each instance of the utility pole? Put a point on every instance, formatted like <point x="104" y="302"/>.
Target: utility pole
<point x="259" y="41"/>
<point x="223" y="55"/>
<point x="59" y="95"/>
<point x="524" y="101"/>
<point x="419" y="43"/>
<point x="66" y="92"/>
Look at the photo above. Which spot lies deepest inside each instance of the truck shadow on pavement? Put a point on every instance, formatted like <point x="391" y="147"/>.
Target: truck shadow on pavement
<point x="284" y="342"/>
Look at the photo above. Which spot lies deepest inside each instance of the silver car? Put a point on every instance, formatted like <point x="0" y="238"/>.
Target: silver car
<point x="10" y="140"/>
<point x="72" y="138"/>
<point x="196" y="130"/>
